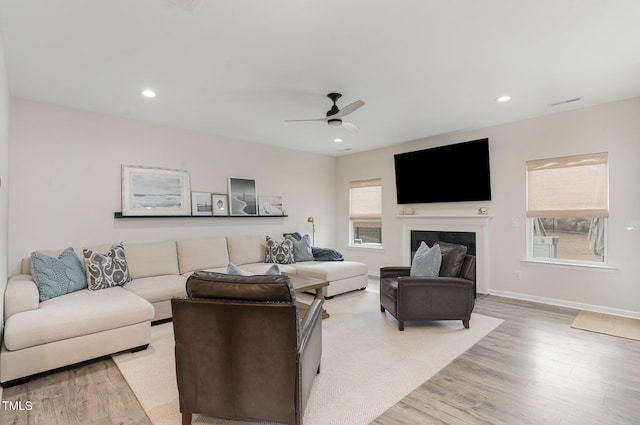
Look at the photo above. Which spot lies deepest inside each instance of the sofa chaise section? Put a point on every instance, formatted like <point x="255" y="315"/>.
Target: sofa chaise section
<point x="248" y="252"/>
<point x="343" y="276"/>
<point x="41" y="336"/>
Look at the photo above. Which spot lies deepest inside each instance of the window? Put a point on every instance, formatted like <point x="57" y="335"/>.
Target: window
<point x="365" y="212"/>
<point x="567" y="208"/>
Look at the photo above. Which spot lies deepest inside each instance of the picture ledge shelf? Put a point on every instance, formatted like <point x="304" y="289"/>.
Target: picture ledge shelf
<point x="119" y="215"/>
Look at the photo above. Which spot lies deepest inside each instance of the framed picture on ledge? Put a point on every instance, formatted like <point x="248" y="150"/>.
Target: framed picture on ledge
<point x="219" y="204"/>
<point x="243" y="198"/>
<point x="201" y="203"/>
<point x="155" y="191"/>
<point x="270" y="205"/>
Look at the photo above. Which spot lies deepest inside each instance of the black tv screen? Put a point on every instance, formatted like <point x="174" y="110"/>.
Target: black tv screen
<point x="452" y="173"/>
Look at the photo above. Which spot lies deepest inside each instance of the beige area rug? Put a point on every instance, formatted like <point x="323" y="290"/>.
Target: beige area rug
<point x="367" y="364"/>
<point x="608" y="324"/>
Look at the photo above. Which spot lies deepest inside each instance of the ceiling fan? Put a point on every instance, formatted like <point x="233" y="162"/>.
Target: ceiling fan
<point x="335" y="114"/>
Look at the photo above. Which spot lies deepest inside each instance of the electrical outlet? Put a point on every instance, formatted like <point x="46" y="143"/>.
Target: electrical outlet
<point x="516" y="274"/>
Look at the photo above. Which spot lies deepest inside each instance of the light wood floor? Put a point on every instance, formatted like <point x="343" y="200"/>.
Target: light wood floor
<point x="533" y="369"/>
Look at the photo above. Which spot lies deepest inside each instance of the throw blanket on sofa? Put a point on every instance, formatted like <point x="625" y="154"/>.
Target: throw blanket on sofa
<point x="326" y="254"/>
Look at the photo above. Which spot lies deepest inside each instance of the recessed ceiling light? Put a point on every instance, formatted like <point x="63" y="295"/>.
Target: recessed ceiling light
<point x="504" y="98"/>
<point x="337" y="140"/>
<point x="148" y="93"/>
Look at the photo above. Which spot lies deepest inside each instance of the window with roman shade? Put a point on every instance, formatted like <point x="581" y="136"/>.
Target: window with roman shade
<point x="365" y="211"/>
<point x="571" y="186"/>
<point x="567" y="207"/>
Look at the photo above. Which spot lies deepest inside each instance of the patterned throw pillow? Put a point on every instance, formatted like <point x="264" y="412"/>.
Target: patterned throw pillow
<point x="106" y="270"/>
<point x="57" y="276"/>
<point x="281" y="253"/>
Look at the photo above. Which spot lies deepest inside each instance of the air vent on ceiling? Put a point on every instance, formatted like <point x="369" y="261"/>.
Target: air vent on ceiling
<point x="564" y="102"/>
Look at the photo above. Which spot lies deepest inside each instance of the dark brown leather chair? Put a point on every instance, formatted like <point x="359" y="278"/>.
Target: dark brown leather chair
<point x="242" y="352"/>
<point x="450" y="296"/>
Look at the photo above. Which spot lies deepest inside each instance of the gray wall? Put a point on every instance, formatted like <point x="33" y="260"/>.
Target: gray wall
<point x="4" y="178"/>
<point x="613" y="128"/>
<point x="65" y="180"/>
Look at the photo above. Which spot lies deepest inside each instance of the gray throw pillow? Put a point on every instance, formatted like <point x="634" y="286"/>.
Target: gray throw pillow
<point x="237" y="271"/>
<point x="301" y="246"/>
<point x="452" y="258"/>
<point x="57" y="276"/>
<point x="273" y="270"/>
<point x="426" y="261"/>
<point x="106" y="270"/>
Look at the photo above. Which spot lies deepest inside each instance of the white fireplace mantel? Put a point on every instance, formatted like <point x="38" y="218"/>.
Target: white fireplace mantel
<point x="477" y="223"/>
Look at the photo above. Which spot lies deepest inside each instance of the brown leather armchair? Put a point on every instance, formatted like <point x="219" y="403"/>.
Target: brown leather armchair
<point x="450" y="296"/>
<point x="241" y="350"/>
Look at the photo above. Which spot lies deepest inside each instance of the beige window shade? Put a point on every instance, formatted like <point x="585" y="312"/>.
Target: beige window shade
<point x="365" y="199"/>
<point x="570" y="186"/>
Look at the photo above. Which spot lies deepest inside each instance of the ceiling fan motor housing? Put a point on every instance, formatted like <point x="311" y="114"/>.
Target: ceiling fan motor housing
<point x="334" y="109"/>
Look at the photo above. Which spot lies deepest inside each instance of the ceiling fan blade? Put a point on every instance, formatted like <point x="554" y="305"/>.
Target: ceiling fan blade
<point x="350" y="126"/>
<point x="341" y="113"/>
<point x="348" y="109"/>
<point x="310" y="119"/>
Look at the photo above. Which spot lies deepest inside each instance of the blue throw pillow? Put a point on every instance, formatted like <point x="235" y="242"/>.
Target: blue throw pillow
<point x="237" y="271"/>
<point x="301" y="246"/>
<point x="57" y="276"/>
<point x="426" y="261"/>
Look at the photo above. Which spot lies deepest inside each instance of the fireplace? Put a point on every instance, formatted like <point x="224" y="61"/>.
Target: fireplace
<point x="469" y="230"/>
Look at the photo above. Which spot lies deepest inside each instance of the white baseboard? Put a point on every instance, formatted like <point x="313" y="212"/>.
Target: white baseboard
<point x="567" y="304"/>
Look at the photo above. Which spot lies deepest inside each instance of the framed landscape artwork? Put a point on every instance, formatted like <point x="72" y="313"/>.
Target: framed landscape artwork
<point x="201" y="203"/>
<point x="270" y="205"/>
<point x="155" y="191"/>
<point x="243" y="198"/>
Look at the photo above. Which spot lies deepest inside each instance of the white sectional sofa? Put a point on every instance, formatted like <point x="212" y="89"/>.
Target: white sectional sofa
<point x="86" y="324"/>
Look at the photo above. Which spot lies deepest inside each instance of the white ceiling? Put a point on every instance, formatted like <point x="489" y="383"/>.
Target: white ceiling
<point x="239" y="68"/>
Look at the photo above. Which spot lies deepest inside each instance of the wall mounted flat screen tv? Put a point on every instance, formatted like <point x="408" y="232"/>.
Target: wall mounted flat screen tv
<point x="451" y="173"/>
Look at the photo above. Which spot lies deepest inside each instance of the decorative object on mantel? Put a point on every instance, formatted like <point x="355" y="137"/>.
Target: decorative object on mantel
<point x="219" y="204"/>
<point x="270" y="205"/>
<point x="483" y="211"/>
<point x="151" y="191"/>
<point x="408" y="211"/>
<point x="243" y="198"/>
<point x="313" y="230"/>
<point x="201" y="203"/>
